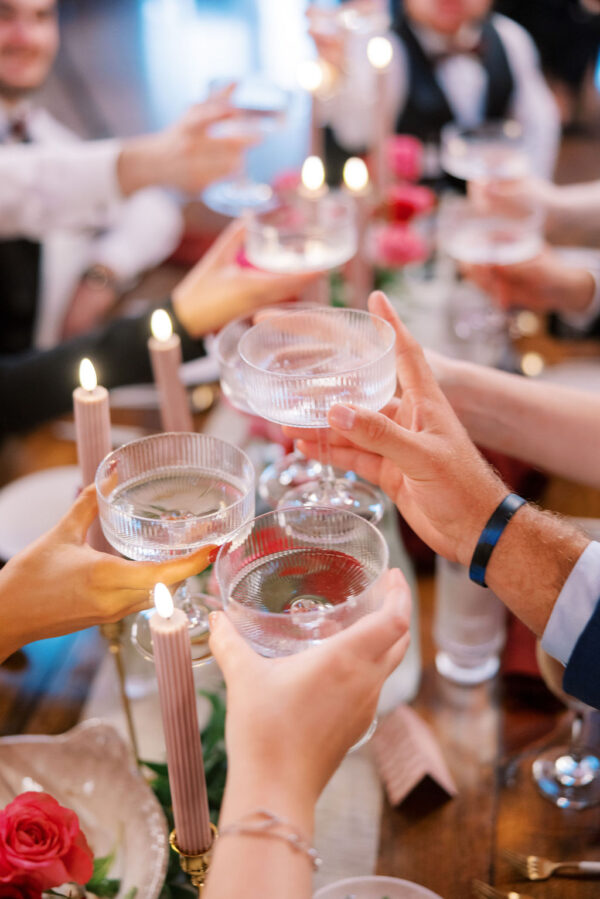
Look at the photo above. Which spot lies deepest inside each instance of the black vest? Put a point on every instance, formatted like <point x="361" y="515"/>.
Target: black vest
<point x="427" y="110"/>
<point x="19" y="284"/>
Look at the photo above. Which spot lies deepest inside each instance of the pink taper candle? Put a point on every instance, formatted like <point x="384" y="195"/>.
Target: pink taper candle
<point x="92" y="427"/>
<point x="165" y="356"/>
<point x="173" y="660"/>
<point x="360" y="271"/>
<point x="380" y="54"/>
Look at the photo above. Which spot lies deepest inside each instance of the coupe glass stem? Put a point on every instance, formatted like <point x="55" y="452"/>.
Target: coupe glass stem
<point x="328" y="474"/>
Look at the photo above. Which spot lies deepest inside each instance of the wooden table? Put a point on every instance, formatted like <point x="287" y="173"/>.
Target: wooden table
<point x="489" y="735"/>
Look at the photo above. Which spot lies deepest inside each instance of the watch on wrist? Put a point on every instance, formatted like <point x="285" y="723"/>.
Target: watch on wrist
<point x="100" y="277"/>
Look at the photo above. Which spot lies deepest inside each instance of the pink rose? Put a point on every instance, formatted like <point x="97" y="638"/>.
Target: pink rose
<point x="396" y="245"/>
<point x="19" y="891"/>
<point x="286" y="183"/>
<point x="405" y="156"/>
<point x="404" y="201"/>
<point x="41" y="841"/>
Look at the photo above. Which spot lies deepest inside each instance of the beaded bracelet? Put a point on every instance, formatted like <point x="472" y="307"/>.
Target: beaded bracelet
<point x="490" y="536"/>
<point x="262" y="823"/>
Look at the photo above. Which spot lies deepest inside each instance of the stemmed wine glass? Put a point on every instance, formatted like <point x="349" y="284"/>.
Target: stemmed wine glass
<point x="298" y="364"/>
<point x="568" y="774"/>
<point x="165" y="496"/>
<point x="294" y="468"/>
<point x="261" y="109"/>
<point x="293" y="577"/>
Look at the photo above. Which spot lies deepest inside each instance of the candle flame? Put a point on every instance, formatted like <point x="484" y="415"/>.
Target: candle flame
<point x="161" y="325"/>
<point x="163" y="600"/>
<point x="356" y="174"/>
<point x="313" y="173"/>
<point x="379" y="52"/>
<point x="87" y="375"/>
<point x="310" y="75"/>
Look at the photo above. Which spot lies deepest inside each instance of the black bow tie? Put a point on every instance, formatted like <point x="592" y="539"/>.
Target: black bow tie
<point x="474" y="50"/>
<point x="16" y="131"/>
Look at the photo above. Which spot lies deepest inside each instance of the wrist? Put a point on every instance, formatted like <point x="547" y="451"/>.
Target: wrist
<point x="250" y="787"/>
<point x="581" y="290"/>
<point x="489" y="498"/>
<point x="140" y="164"/>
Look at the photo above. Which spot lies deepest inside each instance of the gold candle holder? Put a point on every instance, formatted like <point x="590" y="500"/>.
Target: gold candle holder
<point x="195" y="866"/>
<point x="112" y="633"/>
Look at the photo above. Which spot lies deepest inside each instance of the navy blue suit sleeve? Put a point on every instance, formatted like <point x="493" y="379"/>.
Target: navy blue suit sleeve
<point x="582" y="674"/>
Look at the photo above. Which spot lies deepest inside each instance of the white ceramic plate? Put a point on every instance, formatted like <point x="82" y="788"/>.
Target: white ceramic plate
<point x="88" y="769"/>
<point x="32" y="505"/>
<point x="374" y="888"/>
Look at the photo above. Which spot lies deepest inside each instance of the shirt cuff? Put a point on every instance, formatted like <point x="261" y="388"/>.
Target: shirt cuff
<point x="581" y="320"/>
<point x="575" y="605"/>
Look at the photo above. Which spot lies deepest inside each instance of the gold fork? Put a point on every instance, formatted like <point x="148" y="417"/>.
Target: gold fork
<point x="485" y="891"/>
<point x="533" y="867"/>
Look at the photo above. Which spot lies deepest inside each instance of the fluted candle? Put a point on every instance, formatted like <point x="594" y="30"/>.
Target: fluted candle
<point x="92" y="428"/>
<point x="173" y="660"/>
<point x="356" y="185"/>
<point x="380" y="54"/>
<point x="165" y="355"/>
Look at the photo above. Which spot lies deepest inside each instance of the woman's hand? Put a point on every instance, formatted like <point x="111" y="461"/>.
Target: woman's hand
<point x="218" y="289"/>
<point x="292" y="719"/>
<point x="60" y="584"/>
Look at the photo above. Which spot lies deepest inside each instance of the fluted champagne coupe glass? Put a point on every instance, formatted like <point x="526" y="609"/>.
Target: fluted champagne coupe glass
<point x="294" y="468"/>
<point x="568" y="774"/>
<point x="293" y="577"/>
<point x="298" y="364"/>
<point x="164" y="497"/>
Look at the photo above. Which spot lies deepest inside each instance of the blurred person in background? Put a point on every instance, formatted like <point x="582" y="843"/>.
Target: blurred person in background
<point x="59" y="280"/>
<point x="567" y="34"/>
<point x="454" y="61"/>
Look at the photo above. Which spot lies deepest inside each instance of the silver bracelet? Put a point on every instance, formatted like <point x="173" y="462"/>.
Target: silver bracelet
<point x="263" y="823"/>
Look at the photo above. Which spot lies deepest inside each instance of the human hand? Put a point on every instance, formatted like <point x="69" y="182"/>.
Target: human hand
<point x="60" y="584"/>
<point x="89" y="306"/>
<point x="417" y="451"/>
<point x="543" y="284"/>
<point x="324" y="29"/>
<point x="217" y="289"/>
<point x="188" y="155"/>
<point x="514" y="196"/>
<point x="298" y="715"/>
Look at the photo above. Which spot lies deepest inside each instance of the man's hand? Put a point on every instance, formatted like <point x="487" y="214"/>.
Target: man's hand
<point x="92" y="300"/>
<point x="188" y="155"/>
<point x="417" y="451"/>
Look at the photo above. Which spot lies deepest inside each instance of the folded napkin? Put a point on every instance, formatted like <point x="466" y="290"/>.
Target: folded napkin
<point x="407" y="753"/>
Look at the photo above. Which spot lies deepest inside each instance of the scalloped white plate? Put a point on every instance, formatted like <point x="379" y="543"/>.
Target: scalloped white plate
<point x="374" y="888"/>
<point x="89" y="770"/>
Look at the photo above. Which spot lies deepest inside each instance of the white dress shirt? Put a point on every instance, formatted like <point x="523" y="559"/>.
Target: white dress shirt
<point x="575" y="605"/>
<point x="64" y="192"/>
<point x="351" y="111"/>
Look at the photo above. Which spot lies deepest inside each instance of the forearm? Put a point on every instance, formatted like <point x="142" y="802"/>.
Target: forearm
<point x="551" y="427"/>
<point x="46" y="379"/>
<point x="259" y="867"/>
<point x="576" y="204"/>
<point x="531" y="562"/>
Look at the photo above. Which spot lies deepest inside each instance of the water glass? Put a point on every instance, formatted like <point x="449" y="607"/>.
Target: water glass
<point x="468" y="626"/>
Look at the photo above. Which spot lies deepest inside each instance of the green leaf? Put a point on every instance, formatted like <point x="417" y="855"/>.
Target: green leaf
<point x="105" y="887"/>
<point x="158" y="767"/>
<point x="101" y="868"/>
<point x="132" y="893"/>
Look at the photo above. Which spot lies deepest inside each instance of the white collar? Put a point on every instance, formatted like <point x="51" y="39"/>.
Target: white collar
<point x="434" y="43"/>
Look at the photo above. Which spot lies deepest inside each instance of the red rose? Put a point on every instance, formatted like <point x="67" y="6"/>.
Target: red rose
<point x="19" y="891"/>
<point x="405" y="156"/>
<point x="287" y="183"/>
<point x="42" y="842"/>
<point x="404" y="201"/>
<point x="396" y="245"/>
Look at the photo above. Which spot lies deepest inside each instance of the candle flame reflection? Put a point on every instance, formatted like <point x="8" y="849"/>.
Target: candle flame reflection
<point x="356" y="174"/>
<point x="87" y="375"/>
<point x="310" y="75"/>
<point x="379" y="52"/>
<point x="161" y="325"/>
<point x="163" y="600"/>
<point x="313" y="173"/>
